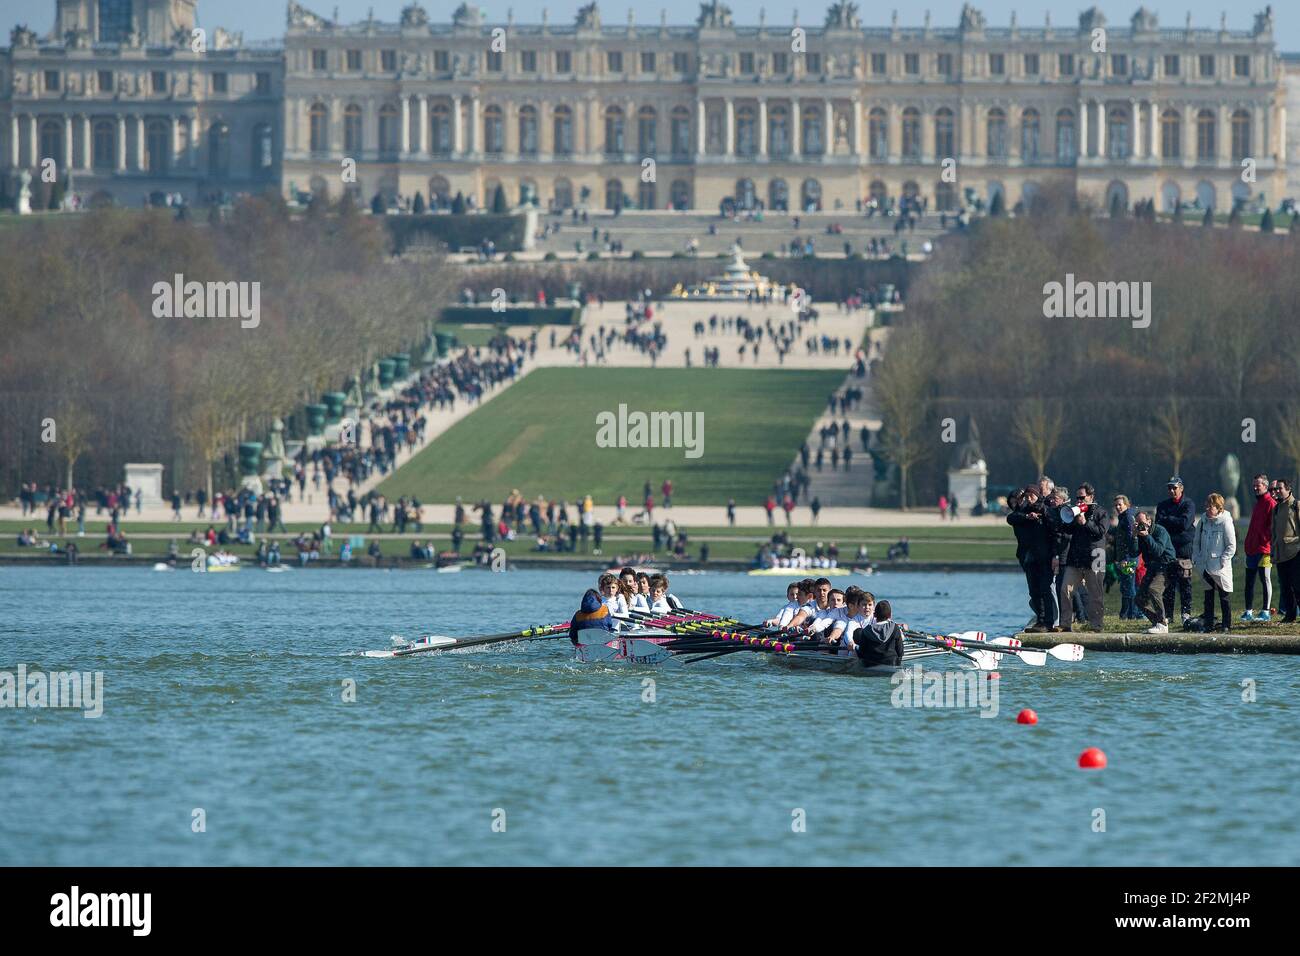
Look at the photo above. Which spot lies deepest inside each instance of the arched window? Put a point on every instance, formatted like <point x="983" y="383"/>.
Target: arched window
<point x="877" y="134"/>
<point x="647" y="138"/>
<point x="1205" y="194"/>
<point x="440" y="128"/>
<point x="813" y="144"/>
<point x="613" y="194"/>
<point x="878" y="192"/>
<point x="105" y="141"/>
<point x="528" y="131"/>
<point x="1117" y="196"/>
<point x="562" y="126"/>
<point x="563" y="194"/>
<point x="778" y="195"/>
<point x="494" y="131"/>
<point x="645" y="196"/>
<point x="944" y="145"/>
<point x="1066" y="149"/>
<point x="613" y="136"/>
<point x="218" y="149"/>
<point x="1170" y="195"/>
<point x="945" y="197"/>
<point x="681" y="194"/>
<point x="912" y="134"/>
<point x="681" y="132"/>
<point x="746" y="132"/>
<point x="157" y="148"/>
<point x="52" y="142"/>
<point x="1171" y="135"/>
<point x="1205" y="136"/>
<point x="352" y="141"/>
<point x="439" y="193"/>
<point x="1117" y="133"/>
<point x="319" y="125"/>
<point x="388" y="128"/>
<point x="1240" y="135"/>
<point x="778" y="132"/>
<point x="746" y="197"/>
<point x="811" y="196"/>
<point x="997" y="134"/>
<point x="1029" y="127"/>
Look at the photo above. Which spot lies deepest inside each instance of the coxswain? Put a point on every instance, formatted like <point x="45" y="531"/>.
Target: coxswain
<point x="593" y="613"/>
<point x="881" y="642"/>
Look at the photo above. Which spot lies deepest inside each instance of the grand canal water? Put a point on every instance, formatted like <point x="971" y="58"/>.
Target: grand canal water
<point x="224" y="702"/>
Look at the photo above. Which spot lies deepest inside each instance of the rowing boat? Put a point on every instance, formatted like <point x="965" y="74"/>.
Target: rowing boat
<point x="599" y="646"/>
<point x="798" y="572"/>
<point x="852" y="664"/>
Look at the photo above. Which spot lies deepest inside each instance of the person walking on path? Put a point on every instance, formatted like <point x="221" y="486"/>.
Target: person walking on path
<point x="816" y="507"/>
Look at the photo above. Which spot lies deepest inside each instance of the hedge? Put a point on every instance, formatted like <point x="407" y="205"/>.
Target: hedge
<point x="455" y="232"/>
<point x="513" y="315"/>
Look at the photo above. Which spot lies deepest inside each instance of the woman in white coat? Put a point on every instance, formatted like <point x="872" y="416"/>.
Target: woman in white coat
<point x="1212" y="549"/>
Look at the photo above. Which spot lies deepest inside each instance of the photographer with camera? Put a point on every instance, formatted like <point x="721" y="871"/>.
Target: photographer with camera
<point x="1034" y="552"/>
<point x="1085" y="559"/>
<point x="1177" y="516"/>
<point x="1058" y="543"/>
<point x="1160" y="561"/>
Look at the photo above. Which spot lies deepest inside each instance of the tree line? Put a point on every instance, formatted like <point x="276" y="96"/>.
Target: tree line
<point x="1098" y="399"/>
<point x="86" y="354"/>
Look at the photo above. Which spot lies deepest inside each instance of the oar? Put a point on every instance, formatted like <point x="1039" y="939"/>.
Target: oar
<point x="440" y="643"/>
<point x="1012" y="645"/>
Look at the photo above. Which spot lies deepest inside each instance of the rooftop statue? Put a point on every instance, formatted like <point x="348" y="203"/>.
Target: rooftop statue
<point x="714" y="15"/>
<point x="589" y="17"/>
<point x="843" y="15"/>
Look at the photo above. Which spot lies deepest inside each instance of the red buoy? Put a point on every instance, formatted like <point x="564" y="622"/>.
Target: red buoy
<point x="1092" y="759"/>
<point x="1026" y="716"/>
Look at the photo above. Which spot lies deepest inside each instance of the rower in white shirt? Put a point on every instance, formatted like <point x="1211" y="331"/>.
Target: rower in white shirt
<point x="661" y="602"/>
<point x="821" y="601"/>
<point x="610" y="595"/>
<point x="859" y="608"/>
<point x="792" y="606"/>
<point x="825" y="620"/>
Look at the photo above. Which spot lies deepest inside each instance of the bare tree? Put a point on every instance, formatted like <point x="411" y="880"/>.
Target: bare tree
<point x="1287" y="438"/>
<point x="1038" y="424"/>
<point x="1175" y="434"/>
<point x="902" y="391"/>
<point x="74" y="427"/>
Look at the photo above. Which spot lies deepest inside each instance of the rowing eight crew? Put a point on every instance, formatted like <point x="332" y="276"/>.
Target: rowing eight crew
<point x="613" y="600"/>
<point x="849" y="622"/>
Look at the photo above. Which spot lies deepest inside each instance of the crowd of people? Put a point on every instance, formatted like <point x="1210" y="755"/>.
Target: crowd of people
<point x="1072" y="550"/>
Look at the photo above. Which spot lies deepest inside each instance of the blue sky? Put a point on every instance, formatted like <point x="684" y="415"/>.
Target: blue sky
<point x="264" y="19"/>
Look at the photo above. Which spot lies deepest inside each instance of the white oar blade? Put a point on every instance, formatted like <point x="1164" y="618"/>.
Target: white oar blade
<point x="1033" y="658"/>
<point x="433" y="642"/>
<point x="986" y="660"/>
<point x="1067" y="652"/>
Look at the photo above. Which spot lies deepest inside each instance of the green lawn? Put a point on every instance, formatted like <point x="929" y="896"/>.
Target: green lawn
<point x="540" y="437"/>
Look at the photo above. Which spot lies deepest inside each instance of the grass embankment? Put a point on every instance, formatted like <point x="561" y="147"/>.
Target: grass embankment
<point x="540" y="436"/>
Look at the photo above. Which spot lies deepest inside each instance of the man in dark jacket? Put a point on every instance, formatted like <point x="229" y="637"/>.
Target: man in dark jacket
<point x="1085" y="560"/>
<point x="1034" y="552"/>
<point x="1160" y="560"/>
<point x="1177" y="515"/>
<point x="1058" y="542"/>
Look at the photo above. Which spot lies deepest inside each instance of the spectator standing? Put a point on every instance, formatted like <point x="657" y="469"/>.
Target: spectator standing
<point x="1034" y="552"/>
<point x="1126" y="555"/>
<point x="1085" y="560"/>
<point x="1212" y="550"/>
<point x="1177" y="516"/>
<point x="1285" y="546"/>
<point x="1259" y="547"/>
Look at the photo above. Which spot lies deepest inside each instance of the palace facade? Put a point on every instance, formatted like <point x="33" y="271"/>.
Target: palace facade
<point x="653" y="116"/>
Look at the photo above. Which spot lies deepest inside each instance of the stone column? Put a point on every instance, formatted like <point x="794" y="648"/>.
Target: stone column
<point x="796" y="130"/>
<point x="1153" y="124"/>
<point x="1101" y="130"/>
<point x="762" y="127"/>
<point x="87" y="142"/>
<point x="406" y="125"/>
<point x="1258" y="140"/>
<point x="174" y="127"/>
<point x="139" y="144"/>
<point x="192" y="147"/>
<point x="475" y="130"/>
<point x="1223" y="144"/>
<point x="121" y="143"/>
<point x="67" y="142"/>
<point x="700" y="123"/>
<point x="894" y="130"/>
<point x="15" y="156"/>
<point x="1135" y="124"/>
<point x="422" y="125"/>
<point x="828" y="127"/>
<point x="1189" y="135"/>
<point x="855" y="127"/>
<point x="729" y="106"/>
<point x="457" y="128"/>
<point x="33" y="141"/>
<point x="1084" y="109"/>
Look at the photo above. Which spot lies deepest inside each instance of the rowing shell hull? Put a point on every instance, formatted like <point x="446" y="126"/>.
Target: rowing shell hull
<point x="836" y="664"/>
<point x="598" y="646"/>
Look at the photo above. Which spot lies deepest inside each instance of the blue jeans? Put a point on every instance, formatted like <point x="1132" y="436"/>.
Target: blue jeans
<point x="1128" y="597"/>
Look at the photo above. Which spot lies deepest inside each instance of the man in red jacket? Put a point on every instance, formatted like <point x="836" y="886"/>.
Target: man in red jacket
<point x="1259" y="559"/>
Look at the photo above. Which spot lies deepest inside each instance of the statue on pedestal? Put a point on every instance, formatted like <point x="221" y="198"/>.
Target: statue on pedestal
<point x="23" y="204"/>
<point x="1230" y="476"/>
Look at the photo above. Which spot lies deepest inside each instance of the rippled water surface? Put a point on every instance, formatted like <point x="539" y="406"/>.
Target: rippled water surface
<point x="225" y="693"/>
